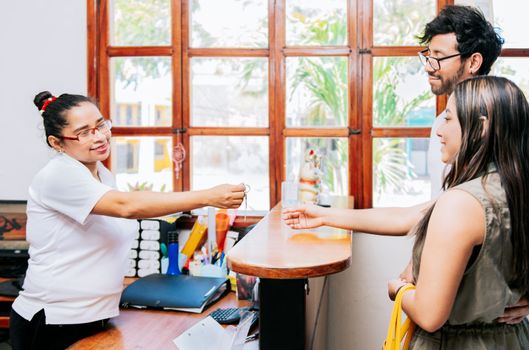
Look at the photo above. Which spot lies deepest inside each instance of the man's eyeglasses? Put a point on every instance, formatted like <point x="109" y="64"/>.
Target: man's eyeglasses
<point x="87" y="134"/>
<point x="434" y="62"/>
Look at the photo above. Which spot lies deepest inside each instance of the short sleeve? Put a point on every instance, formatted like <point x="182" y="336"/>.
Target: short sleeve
<point x="68" y="187"/>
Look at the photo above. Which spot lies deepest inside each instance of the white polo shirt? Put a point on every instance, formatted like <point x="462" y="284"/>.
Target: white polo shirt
<point x="77" y="259"/>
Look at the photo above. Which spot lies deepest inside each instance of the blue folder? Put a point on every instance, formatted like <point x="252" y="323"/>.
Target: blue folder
<point x="174" y="292"/>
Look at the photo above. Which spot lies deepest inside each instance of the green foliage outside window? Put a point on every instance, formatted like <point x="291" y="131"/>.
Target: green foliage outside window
<point x="390" y="160"/>
<point x="140" y="21"/>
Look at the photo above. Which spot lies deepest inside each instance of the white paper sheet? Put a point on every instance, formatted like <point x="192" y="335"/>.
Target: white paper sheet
<point x="202" y="335"/>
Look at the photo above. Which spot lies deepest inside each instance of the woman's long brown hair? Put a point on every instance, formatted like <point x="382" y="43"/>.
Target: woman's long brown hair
<point x="504" y="142"/>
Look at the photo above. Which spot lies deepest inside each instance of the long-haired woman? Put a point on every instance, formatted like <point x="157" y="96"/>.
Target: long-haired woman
<point x="471" y="252"/>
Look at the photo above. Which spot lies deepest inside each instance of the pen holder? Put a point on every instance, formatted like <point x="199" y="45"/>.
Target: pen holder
<point x="172" y="240"/>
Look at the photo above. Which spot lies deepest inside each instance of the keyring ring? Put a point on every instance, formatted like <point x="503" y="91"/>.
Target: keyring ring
<point x="247" y="188"/>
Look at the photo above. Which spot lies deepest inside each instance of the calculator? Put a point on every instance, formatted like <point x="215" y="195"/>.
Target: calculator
<point x="232" y="315"/>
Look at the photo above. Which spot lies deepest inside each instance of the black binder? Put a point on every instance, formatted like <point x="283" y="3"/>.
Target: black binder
<point x="170" y="292"/>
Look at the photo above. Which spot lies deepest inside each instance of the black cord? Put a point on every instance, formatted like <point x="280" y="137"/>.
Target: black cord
<point x="318" y="313"/>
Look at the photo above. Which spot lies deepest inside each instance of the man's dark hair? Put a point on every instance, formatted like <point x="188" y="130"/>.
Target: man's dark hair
<point x="473" y="33"/>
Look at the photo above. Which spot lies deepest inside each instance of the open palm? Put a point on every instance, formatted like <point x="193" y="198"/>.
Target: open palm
<point x="302" y="217"/>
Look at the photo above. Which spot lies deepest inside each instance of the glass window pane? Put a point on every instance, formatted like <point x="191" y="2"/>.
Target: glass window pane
<point x="232" y="159"/>
<point x="316" y="22"/>
<point x="515" y="69"/>
<point x="334" y="161"/>
<point x="316" y="91"/>
<point x="140" y="22"/>
<point x="229" y="92"/>
<point x="228" y="23"/>
<point x="511" y="17"/>
<point x="142" y="163"/>
<point x="400" y="172"/>
<point x="397" y="22"/>
<point x="141" y="90"/>
<point x="508" y="15"/>
<point x="401" y="93"/>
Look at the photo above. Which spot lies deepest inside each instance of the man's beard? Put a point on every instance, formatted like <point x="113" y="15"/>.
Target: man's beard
<point x="448" y="86"/>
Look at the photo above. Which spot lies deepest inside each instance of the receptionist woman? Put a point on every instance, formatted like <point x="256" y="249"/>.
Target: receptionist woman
<point x="78" y="228"/>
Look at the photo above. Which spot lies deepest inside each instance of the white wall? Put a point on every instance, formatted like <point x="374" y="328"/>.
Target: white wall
<point x="42" y="47"/>
<point x="358" y="304"/>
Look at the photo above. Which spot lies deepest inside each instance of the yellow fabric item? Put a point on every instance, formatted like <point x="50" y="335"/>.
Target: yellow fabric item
<point x="398" y="330"/>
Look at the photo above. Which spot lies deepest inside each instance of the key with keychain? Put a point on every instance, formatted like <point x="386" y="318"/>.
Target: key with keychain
<point x="247" y="189"/>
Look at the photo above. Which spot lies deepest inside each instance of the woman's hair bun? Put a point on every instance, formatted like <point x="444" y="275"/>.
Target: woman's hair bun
<point x="40" y="98"/>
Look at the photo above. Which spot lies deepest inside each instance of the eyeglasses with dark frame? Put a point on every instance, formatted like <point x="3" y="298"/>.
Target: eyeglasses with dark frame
<point x="434" y="62"/>
<point x="84" y="136"/>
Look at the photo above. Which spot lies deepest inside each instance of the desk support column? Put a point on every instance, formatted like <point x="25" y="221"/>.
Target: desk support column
<point x="282" y="314"/>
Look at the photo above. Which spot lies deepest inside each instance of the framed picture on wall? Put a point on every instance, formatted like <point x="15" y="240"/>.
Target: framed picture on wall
<point x="13" y="220"/>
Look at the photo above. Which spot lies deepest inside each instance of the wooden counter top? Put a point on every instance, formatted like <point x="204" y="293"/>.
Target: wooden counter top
<point x="149" y="329"/>
<point x="273" y="250"/>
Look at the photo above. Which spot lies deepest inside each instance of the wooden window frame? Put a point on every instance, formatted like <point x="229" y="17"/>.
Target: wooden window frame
<point x="359" y="51"/>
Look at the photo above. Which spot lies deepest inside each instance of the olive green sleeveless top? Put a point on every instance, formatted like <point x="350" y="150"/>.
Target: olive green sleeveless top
<point x="484" y="291"/>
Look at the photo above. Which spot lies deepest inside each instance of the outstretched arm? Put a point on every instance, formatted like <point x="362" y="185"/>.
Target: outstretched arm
<point x="450" y="238"/>
<point x="145" y="204"/>
<point x="383" y="221"/>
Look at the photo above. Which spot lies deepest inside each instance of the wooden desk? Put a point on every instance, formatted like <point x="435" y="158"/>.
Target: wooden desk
<point x="142" y="329"/>
<point x="149" y="329"/>
<point x="284" y="258"/>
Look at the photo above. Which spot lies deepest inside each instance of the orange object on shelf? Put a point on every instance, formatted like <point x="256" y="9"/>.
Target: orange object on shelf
<point x="222" y="225"/>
